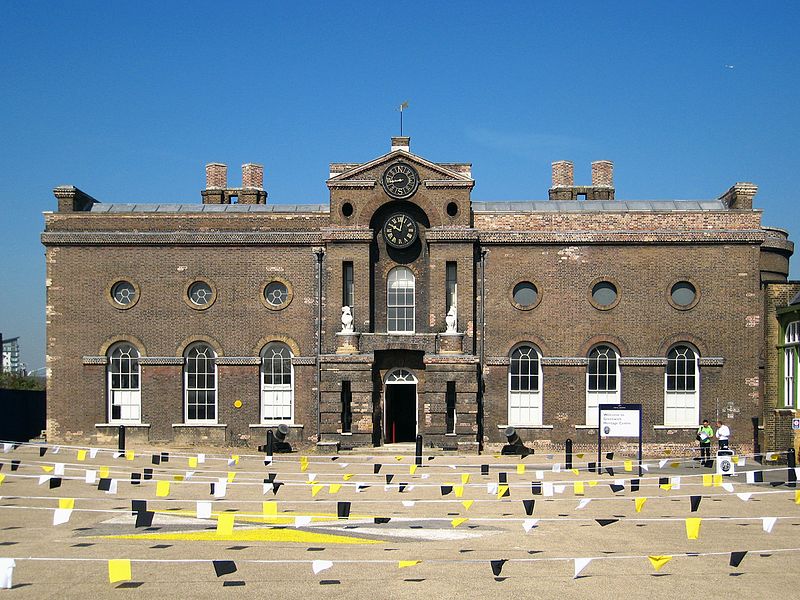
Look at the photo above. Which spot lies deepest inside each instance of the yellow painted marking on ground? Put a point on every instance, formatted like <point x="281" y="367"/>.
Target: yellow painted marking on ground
<point x="247" y="535"/>
<point x="266" y="519"/>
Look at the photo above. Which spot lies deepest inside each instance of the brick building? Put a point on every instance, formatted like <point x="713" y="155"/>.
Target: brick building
<point x="401" y="306"/>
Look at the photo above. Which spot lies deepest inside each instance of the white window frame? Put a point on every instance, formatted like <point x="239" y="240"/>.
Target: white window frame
<point x="401" y="278"/>
<point x="790" y="364"/>
<point x="606" y="395"/>
<point x="525" y="405"/>
<point x="209" y="354"/>
<point x="277" y="399"/>
<point x="682" y="406"/>
<point x="123" y="363"/>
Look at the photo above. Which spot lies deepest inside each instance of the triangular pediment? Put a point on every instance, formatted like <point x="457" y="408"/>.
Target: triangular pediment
<point x="371" y="171"/>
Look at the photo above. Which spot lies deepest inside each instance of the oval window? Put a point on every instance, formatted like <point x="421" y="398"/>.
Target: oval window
<point x="683" y="293"/>
<point x="525" y="294"/>
<point x="604" y="293"/>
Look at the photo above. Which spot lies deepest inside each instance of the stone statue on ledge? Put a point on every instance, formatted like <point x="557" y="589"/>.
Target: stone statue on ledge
<point x="347" y="320"/>
<point x="450" y="320"/>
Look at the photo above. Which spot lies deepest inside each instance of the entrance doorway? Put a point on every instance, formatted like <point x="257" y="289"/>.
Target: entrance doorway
<point x="400" y="407"/>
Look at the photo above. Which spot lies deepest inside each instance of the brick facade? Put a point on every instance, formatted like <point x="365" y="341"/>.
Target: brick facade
<point x="563" y="247"/>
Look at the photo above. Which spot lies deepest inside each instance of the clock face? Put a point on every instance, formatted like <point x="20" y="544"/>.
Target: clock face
<point x="400" y="180"/>
<point x="400" y="230"/>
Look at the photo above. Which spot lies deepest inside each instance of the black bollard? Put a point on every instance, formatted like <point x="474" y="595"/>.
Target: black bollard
<point x="791" y="462"/>
<point x="121" y="438"/>
<point x="568" y="453"/>
<point x="419" y="451"/>
<point x="270" y="441"/>
<point x="756" y="446"/>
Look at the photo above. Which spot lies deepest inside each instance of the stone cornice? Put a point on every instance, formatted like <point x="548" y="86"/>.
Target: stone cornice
<point x="238" y="360"/>
<point x="451" y="234"/>
<point x="304" y="360"/>
<point x="347" y="234"/>
<point x="352" y="184"/>
<point x="95" y="360"/>
<point x="448" y="183"/>
<point x="706" y="236"/>
<point x="439" y="359"/>
<point x="179" y="238"/>
<point x="161" y="360"/>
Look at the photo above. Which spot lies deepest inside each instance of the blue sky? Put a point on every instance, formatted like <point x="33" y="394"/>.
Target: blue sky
<point x="128" y="101"/>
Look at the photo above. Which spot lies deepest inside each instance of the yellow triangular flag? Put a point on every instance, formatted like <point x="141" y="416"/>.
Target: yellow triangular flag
<point x="659" y="561"/>
<point x="464" y="478"/>
<point x="81" y="454"/>
<point x="412" y="469"/>
<point x="193" y="462"/>
<point x="47" y="468"/>
<point x="119" y="569"/>
<point x="578" y="488"/>
<point x="639" y="502"/>
<point x="693" y="528"/>
<point x="401" y="564"/>
<point x="502" y="490"/>
<point x="459" y="490"/>
<point x="347" y="476"/>
<point x="735" y="460"/>
<point x="675" y="464"/>
<point x="235" y="458"/>
<point x="303" y="463"/>
<point x="178" y="477"/>
<point x="315" y="488"/>
<point x="458" y="521"/>
<point x="707" y="481"/>
<point x="398" y="458"/>
<point x="231" y="476"/>
<point x="717" y="480"/>
<point x="592" y="483"/>
<point x="628" y="465"/>
<point x="104" y="472"/>
<point x="269" y="508"/>
<point x="2" y="477"/>
<point x="130" y="455"/>
<point x="334" y="487"/>
<point x="666" y="486"/>
<point x="468" y="503"/>
<point x="797" y="497"/>
<point x="68" y="503"/>
<point x="576" y="472"/>
<point x="225" y="523"/>
<point x="162" y="488"/>
<point x="580" y="455"/>
<point x="520" y="469"/>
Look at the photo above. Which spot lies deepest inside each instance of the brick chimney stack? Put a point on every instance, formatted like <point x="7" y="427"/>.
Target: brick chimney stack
<point x="216" y="176"/>
<point x="401" y="143"/>
<point x="563" y="173"/>
<point x="252" y="176"/>
<point x="603" y="173"/>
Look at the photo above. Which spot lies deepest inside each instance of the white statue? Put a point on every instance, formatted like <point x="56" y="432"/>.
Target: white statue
<point x="347" y="320"/>
<point x="450" y="320"/>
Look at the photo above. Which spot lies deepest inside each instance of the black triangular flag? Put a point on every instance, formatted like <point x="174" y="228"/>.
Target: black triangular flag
<point x="776" y="483"/>
<point x="156" y="459"/>
<point x="389" y="478"/>
<point x="104" y="484"/>
<point x="144" y="518"/>
<point x="138" y="506"/>
<point x="270" y="477"/>
<point x="343" y="510"/>
<point x="592" y="466"/>
<point x="401" y="487"/>
<point x="484" y="469"/>
<point x="360" y="487"/>
<point x="267" y="461"/>
<point x="695" y="501"/>
<point x="502" y="477"/>
<point x="529" y="504"/>
<point x="634" y="485"/>
<point x="334" y="458"/>
<point x="536" y="488"/>
<point x="376" y="468"/>
<point x="615" y="487"/>
<point x="663" y="480"/>
<point x="55" y="482"/>
<point x="213" y="488"/>
<point x="506" y="492"/>
<point x="148" y="473"/>
<point x="165" y="457"/>
<point x="136" y="478"/>
<point x="497" y="566"/>
<point x="14" y="465"/>
<point x="604" y="522"/>
<point x="224" y="567"/>
<point x="610" y="471"/>
<point x="758" y="476"/>
<point x="381" y="520"/>
<point x="736" y="558"/>
<point x="42" y="451"/>
<point x="610" y="455"/>
<point x="276" y="485"/>
<point x="446" y="489"/>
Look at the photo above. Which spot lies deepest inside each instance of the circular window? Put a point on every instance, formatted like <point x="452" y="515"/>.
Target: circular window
<point x="525" y="295"/>
<point x="276" y="294"/>
<point x="123" y="294"/>
<point x="200" y="294"/>
<point x="683" y="295"/>
<point x="604" y="295"/>
<point x="452" y="209"/>
<point x="347" y="209"/>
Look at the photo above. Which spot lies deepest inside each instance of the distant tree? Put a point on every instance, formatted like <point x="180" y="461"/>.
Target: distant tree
<point x="14" y="381"/>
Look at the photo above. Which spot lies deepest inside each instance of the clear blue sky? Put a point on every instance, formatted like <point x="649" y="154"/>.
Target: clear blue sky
<point x="128" y="101"/>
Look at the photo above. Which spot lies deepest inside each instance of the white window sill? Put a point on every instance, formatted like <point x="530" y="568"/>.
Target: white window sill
<point x="275" y="424"/>
<point x="450" y="435"/>
<point x="687" y="427"/>
<point x="127" y="424"/>
<point x="585" y="426"/>
<point x="526" y="426"/>
<point x="199" y="425"/>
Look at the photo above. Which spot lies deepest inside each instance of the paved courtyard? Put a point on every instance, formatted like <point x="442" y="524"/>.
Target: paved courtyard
<point x="376" y="525"/>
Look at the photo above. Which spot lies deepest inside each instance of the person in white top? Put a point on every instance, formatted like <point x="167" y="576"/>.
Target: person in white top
<point x="723" y="435"/>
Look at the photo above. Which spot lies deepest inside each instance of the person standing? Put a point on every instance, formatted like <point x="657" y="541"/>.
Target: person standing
<point x="723" y="435"/>
<point x="704" y="435"/>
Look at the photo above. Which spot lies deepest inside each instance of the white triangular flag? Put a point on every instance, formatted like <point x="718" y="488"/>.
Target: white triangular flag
<point x="491" y="489"/>
<point x="61" y="515"/>
<point x="58" y="469"/>
<point x="302" y="520"/>
<point x="189" y="475"/>
<point x="221" y="487"/>
<point x="312" y="476"/>
<point x="580" y="565"/>
<point x="203" y="509"/>
<point x="55" y="449"/>
<point x="529" y="524"/>
<point x="742" y="461"/>
<point x="676" y="483"/>
<point x="797" y="472"/>
<point x="425" y="476"/>
<point x="645" y="467"/>
<point x="91" y="477"/>
<point x="750" y="476"/>
<point x="768" y="523"/>
<point x="344" y="465"/>
<point x="619" y="482"/>
<point x="408" y="503"/>
<point x="559" y="489"/>
<point x="7" y="448"/>
<point x="557" y="468"/>
<point x="539" y="474"/>
<point x="266" y="488"/>
<point x="744" y="496"/>
<point x="547" y="488"/>
<point x="662" y="462"/>
<point x="728" y="487"/>
<point x="452" y="466"/>
<point x="118" y="454"/>
<point x="6" y="572"/>
<point x="112" y="487"/>
<point x="201" y="458"/>
<point x="92" y="452"/>
<point x="389" y="487"/>
<point x="43" y="479"/>
<point x="583" y="503"/>
<point x="320" y="565"/>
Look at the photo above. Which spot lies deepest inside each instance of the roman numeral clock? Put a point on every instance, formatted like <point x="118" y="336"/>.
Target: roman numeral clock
<point x="400" y="181"/>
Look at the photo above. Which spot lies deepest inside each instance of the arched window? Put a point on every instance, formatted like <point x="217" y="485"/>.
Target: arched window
<point x="400" y="301"/>
<point x="277" y="384"/>
<point x="790" y="364"/>
<point x="200" y="384"/>
<point x="682" y="388"/>
<point x="603" y="380"/>
<point x="525" y="387"/>
<point x="124" y="393"/>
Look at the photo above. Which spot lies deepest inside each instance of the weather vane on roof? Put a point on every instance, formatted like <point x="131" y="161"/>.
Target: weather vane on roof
<point x="402" y="107"/>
